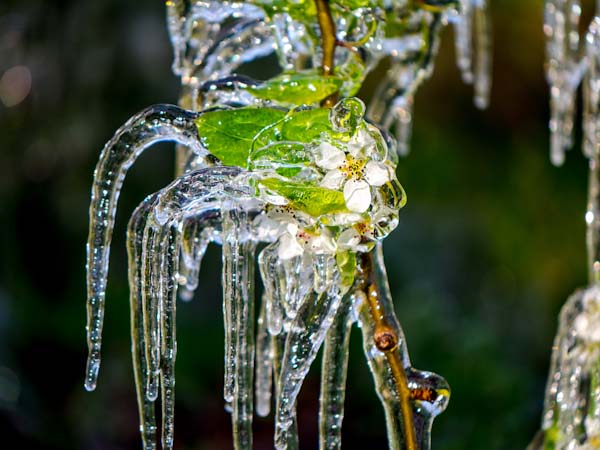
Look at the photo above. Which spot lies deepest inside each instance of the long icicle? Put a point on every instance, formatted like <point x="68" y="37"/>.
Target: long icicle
<point x="238" y="300"/>
<point x="483" y="51"/>
<point x="333" y="377"/>
<point x="306" y="334"/>
<point x="264" y="363"/>
<point x="135" y="234"/>
<point x="278" y="353"/>
<point x="169" y="262"/>
<point x="154" y="124"/>
<point x="151" y="307"/>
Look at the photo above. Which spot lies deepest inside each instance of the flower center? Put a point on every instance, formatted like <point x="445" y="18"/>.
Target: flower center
<point x="353" y="168"/>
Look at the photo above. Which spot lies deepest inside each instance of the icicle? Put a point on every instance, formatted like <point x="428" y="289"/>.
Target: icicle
<point x="463" y="41"/>
<point x="194" y="243"/>
<point x="152" y="305"/>
<point x="299" y="276"/>
<point x="169" y="261"/>
<point x="135" y="233"/>
<point x="154" y="124"/>
<point x="270" y="267"/>
<point x="305" y="336"/>
<point x="483" y="60"/>
<point x="238" y="301"/>
<point x="429" y="392"/>
<point x="402" y="112"/>
<point x="264" y="363"/>
<point x="278" y="353"/>
<point x="333" y="377"/>
<point x="564" y="71"/>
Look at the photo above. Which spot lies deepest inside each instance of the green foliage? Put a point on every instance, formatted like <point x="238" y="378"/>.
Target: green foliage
<point x="301" y="88"/>
<point x="346" y="262"/>
<point x="228" y="134"/>
<point x="313" y="200"/>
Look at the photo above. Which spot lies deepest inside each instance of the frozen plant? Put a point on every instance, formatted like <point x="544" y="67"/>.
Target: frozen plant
<point x="287" y="172"/>
<point x="571" y="418"/>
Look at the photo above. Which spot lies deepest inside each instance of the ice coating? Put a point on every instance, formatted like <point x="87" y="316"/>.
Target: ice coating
<point x="317" y="192"/>
<point x="571" y="412"/>
<point x="155" y="124"/>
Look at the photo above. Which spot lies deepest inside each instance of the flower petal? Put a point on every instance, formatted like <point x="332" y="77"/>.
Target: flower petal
<point x="377" y="173"/>
<point x="357" y="194"/>
<point x="289" y="247"/>
<point x="323" y="244"/>
<point x="361" y="139"/>
<point x="329" y="157"/>
<point x="348" y="239"/>
<point x="333" y="179"/>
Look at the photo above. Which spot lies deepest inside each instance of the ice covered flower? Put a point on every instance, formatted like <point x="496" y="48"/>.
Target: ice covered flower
<point x="296" y="240"/>
<point x="353" y="174"/>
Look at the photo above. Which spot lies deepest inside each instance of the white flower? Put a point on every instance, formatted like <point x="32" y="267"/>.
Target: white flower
<point x="295" y="241"/>
<point x="289" y="246"/>
<point x="356" y="176"/>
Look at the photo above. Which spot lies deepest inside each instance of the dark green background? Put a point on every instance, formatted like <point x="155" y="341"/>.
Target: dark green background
<point x="489" y="246"/>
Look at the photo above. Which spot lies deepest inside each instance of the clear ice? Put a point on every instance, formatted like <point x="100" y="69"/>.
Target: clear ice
<point x="307" y="207"/>
<point x="571" y="417"/>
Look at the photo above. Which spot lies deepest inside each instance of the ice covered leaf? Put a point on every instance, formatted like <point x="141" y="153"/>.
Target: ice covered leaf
<point x="306" y="126"/>
<point x="301" y="10"/>
<point x="313" y="200"/>
<point x="228" y="134"/>
<point x="346" y="263"/>
<point x="284" y="153"/>
<point x="298" y="88"/>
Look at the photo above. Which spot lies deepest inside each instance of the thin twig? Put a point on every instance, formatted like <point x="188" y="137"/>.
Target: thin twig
<point x="386" y="340"/>
<point x="328" y="44"/>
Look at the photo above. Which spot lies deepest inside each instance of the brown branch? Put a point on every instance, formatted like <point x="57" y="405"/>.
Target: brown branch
<point x="386" y="340"/>
<point x="328" y="44"/>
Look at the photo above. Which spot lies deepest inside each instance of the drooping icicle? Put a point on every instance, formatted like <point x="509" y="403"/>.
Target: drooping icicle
<point x="333" y="377"/>
<point x="298" y="274"/>
<point x="482" y="81"/>
<point x="591" y="91"/>
<point x="238" y="301"/>
<point x="135" y="234"/>
<point x="195" y="240"/>
<point x="402" y="113"/>
<point x="152" y="305"/>
<point x="270" y="270"/>
<point x="169" y="262"/>
<point x="305" y="336"/>
<point x="473" y="47"/>
<point x="564" y="71"/>
<point x="429" y="392"/>
<point x="264" y="363"/>
<point x="278" y="353"/>
<point x="463" y="39"/>
<point x="412" y="62"/>
<point x="154" y="124"/>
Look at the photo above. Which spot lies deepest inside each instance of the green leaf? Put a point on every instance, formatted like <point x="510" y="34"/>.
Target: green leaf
<point x="228" y="134"/>
<point x="283" y="153"/>
<point x="305" y="126"/>
<point x="346" y="262"/>
<point x="313" y="200"/>
<point x="297" y="89"/>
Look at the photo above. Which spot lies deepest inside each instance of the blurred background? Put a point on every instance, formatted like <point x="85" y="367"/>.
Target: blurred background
<point x="490" y="244"/>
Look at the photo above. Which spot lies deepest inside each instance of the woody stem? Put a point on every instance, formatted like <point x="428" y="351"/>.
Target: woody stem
<point x="328" y="44"/>
<point x="387" y="340"/>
